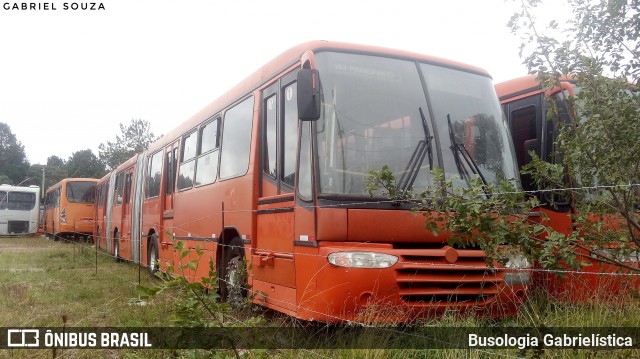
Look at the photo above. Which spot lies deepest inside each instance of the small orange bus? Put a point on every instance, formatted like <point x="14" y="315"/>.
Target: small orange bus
<point x="69" y="208"/>
<point x="271" y="176"/>
<point x="525" y="103"/>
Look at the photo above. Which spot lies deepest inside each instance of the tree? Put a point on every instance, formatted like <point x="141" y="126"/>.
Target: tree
<point x="13" y="160"/>
<point x="598" y="144"/>
<point x="598" y="148"/>
<point x="55" y="161"/>
<point x="52" y="175"/>
<point x="54" y="171"/>
<point x="85" y="164"/>
<point x="135" y="138"/>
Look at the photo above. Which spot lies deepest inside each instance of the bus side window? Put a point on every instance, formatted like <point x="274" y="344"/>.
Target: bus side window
<point x="170" y="172"/>
<point x="188" y="164"/>
<point x="305" y="186"/>
<point x="523" y="121"/>
<point x="106" y="195"/>
<point x="127" y="187"/>
<point x="290" y="132"/>
<point x="270" y="136"/>
<point x="3" y="200"/>
<point x="99" y="195"/>
<point x="119" y="188"/>
<point x="236" y="140"/>
<point x="153" y="178"/>
<point x="207" y="162"/>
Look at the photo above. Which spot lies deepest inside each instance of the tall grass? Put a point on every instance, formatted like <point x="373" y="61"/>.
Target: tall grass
<point x="53" y="284"/>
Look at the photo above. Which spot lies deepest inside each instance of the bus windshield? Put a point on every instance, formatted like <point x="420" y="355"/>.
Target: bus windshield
<point x="19" y="201"/>
<point x="380" y="111"/>
<point x="81" y="192"/>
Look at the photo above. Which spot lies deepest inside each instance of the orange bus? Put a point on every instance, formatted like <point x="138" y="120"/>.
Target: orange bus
<point x="525" y="103"/>
<point x="69" y="208"/>
<point x="272" y="176"/>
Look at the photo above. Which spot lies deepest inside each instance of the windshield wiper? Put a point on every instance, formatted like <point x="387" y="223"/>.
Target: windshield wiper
<point x="423" y="148"/>
<point x="458" y="150"/>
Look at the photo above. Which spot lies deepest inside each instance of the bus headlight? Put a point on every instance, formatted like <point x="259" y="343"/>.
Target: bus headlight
<point x="520" y="275"/>
<point x="362" y="259"/>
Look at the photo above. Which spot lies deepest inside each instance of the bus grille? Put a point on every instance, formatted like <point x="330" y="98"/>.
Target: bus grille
<point x="446" y="277"/>
<point x="17" y="227"/>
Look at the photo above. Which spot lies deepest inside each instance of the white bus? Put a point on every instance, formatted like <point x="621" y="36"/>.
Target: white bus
<point x="19" y="210"/>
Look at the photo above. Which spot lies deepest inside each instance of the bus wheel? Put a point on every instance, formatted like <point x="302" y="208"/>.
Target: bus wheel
<point x="116" y="247"/>
<point x="152" y="255"/>
<point x="233" y="286"/>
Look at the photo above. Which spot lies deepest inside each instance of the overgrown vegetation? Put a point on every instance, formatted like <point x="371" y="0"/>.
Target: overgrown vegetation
<point x="43" y="281"/>
<point x="198" y="303"/>
<point x="597" y="154"/>
<point x="55" y="284"/>
<point x="493" y="217"/>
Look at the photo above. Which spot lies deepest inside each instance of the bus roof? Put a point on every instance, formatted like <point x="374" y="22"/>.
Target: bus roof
<point x="74" y="179"/>
<point x="287" y="59"/>
<point x="124" y="165"/>
<point x="12" y="188"/>
<point x="521" y="87"/>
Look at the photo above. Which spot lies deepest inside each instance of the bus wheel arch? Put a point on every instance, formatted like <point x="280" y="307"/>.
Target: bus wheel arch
<point x="231" y="268"/>
<point x="228" y="234"/>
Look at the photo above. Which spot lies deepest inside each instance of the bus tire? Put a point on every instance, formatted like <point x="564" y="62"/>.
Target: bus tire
<point x="152" y="254"/>
<point x="116" y="247"/>
<point x="233" y="283"/>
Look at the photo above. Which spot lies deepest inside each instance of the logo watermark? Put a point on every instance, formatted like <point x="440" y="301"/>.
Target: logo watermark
<point x="23" y="338"/>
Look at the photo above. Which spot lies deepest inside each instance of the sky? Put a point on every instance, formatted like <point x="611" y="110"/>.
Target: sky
<point x="68" y="78"/>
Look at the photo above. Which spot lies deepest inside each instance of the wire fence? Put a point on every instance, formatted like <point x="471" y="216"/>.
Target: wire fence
<point x="86" y="248"/>
<point x="581" y="277"/>
<point x="80" y="254"/>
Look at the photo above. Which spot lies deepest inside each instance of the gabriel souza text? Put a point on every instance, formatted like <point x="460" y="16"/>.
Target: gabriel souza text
<point x="52" y="6"/>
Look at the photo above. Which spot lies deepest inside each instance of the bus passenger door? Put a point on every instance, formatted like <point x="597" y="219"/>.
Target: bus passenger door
<point x="125" y="246"/>
<point x="165" y="247"/>
<point x="272" y="258"/>
<point x="525" y="119"/>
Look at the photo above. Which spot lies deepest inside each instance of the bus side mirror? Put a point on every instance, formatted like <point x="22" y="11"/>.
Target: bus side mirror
<point x="308" y="95"/>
